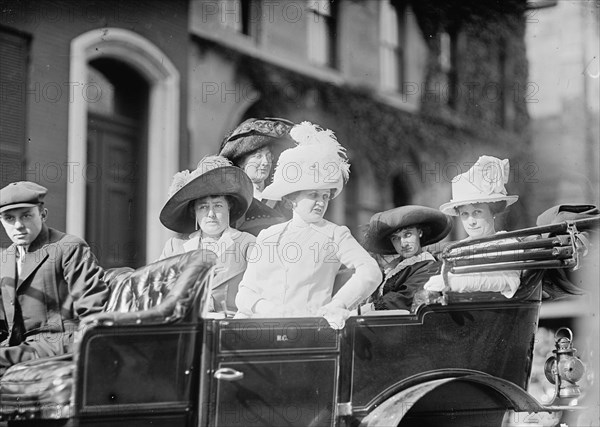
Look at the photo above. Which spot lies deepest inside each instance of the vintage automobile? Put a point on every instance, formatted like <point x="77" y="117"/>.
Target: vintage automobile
<point x="157" y="357"/>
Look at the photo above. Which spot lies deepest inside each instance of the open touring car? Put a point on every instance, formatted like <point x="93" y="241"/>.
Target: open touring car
<point x="157" y="357"/>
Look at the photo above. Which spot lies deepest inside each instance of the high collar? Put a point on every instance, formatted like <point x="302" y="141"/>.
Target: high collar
<point x="258" y="190"/>
<point x="298" y="222"/>
<point x="423" y="256"/>
<point x="224" y="241"/>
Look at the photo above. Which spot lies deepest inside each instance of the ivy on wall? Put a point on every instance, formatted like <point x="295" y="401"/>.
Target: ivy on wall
<point x="373" y="129"/>
<point x="492" y="53"/>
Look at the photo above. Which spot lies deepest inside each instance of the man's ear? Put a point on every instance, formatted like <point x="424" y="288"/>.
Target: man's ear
<point x="44" y="214"/>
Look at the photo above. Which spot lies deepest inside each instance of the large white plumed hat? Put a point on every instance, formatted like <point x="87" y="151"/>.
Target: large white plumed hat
<point x="483" y="183"/>
<point x="317" y="162"/>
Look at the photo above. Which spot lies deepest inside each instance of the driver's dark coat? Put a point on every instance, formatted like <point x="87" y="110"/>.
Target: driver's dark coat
<point x="60" y="282"/>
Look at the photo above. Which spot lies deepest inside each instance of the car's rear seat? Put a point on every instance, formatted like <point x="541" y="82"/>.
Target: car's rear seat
<point x="160" y="292"/>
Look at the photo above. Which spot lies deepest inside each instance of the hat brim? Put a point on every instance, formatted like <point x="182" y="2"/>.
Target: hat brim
<point x="235" y="150"/>
<point x="18" y="205"/>
<point x="258" y="217"/>
<point x="450" y="207"/>
<point x="224" y="181"/>
<point x="382" y="225"/>
<point x="277" y="190"/>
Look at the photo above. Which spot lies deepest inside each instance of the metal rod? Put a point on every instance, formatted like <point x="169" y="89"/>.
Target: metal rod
<point x="515" y="265"/>
<point x="509" y="246"/>
<point x="560" y="228"/>
<point x="496" y="258"/>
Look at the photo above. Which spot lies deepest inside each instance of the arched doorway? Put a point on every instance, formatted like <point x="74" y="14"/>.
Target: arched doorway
<point x="160" y="129"/>
<point x="116" y="172"/>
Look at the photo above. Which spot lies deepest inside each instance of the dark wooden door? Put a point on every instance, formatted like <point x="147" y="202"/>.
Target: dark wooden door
<point x="115" y="214"/>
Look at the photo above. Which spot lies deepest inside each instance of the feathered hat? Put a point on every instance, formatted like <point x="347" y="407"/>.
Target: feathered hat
<point x="483" y="183"/>
<point x="253" y="134"/>
<point x="214" y="176"/>
<point x="317" y="162"/>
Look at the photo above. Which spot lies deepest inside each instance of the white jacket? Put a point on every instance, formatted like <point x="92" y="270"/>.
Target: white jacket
<point x="294" y="264"/>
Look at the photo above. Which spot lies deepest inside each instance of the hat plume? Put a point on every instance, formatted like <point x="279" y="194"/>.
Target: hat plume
<point x="307" y="133"/>
<point x="180" y="179"/>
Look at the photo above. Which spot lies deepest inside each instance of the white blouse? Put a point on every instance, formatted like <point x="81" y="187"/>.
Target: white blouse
<point x="293" y="265"/>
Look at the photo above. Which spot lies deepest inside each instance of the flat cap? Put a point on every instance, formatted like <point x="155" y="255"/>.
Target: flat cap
<point x="21" y="194"/>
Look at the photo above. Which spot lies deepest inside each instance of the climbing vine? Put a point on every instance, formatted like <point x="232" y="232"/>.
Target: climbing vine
<point x="492" y="56"/>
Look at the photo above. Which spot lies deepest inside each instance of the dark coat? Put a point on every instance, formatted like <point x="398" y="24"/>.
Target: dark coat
<point x="399" y="289"/>
<point x="60" y="282"/>
<point x="260" y="216"/>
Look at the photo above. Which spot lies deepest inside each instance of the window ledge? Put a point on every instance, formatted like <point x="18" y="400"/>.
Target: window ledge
<point x="246" y="45"/>
<point x="399" y="100"/>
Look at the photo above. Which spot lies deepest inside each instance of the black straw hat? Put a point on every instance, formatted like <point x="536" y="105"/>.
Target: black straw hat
<point x="252" y="134"/>
<point x="214" y="176"/>
<point x="435" y="226"/>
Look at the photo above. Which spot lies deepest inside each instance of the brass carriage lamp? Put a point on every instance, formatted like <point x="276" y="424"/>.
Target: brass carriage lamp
<point x="564" y="369"/>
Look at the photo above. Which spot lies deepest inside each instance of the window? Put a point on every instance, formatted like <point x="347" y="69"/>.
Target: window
<point x="236" y="15"/>
<point x="392" y="39"/>
<point x="322" y="32"/>
<point x="445" y="58"/>
<point x="507" y="113"/>
<point x="447" y="63"/>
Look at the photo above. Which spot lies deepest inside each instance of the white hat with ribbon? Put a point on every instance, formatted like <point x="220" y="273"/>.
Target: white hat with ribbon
<point x="483" y="183"/>
<point x="318" y="162"/>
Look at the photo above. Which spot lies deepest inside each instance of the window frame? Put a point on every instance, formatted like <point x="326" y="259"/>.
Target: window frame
<point x="392" y="41"/>
<point x="322" y="28"/>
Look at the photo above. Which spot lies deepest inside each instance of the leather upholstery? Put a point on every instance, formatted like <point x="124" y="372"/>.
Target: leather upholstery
<point x="156" y="293"/>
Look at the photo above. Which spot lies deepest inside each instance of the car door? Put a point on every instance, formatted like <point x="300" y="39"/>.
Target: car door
<point x="274" y="372"/>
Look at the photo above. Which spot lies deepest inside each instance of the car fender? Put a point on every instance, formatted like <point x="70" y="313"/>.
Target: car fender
<point x="392" y="410"/>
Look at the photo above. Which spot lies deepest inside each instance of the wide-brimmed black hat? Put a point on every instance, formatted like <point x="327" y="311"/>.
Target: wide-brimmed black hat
<point x="214" y="176"/>
<point x="435" y="226"/>
<point x="560" y="213"/>
<point x="571" y="212"/>
<point x="252" y="134"/>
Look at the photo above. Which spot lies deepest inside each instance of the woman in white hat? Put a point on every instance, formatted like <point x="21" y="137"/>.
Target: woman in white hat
<point x="291" y="269"/>
<point x="478" y="195"/>
<point x="398" y="235"/>
<point x="202" y="204"/>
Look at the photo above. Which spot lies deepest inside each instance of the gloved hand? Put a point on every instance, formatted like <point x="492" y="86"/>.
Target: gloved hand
<point x="435" y="284"/>
<point x="335" y="314"/>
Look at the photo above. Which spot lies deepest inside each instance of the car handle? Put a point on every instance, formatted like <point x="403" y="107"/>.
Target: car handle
<point x="228" y="374"/>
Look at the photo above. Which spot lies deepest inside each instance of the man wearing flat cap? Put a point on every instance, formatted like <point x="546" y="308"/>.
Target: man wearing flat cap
<point x="48" y="280"/>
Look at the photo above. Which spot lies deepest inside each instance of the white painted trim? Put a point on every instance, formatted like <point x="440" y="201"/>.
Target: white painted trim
<point x="163" y="123"/>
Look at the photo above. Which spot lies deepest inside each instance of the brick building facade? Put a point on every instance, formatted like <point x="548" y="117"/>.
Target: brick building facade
<point x="93" y="107"/>
<point x="416" y="91"/>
